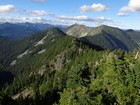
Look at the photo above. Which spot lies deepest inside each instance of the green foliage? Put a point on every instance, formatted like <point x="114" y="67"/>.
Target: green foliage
<point x="71" y="73"/>
<point x="111" y="38"/>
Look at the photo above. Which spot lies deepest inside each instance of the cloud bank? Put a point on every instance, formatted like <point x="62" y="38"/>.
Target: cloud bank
<point x="43" y="16"/>
<point x="38" y="13"/>
<point x="93" y="8"/>
<point x="23" y="20"/>
<point x="85" y="19"/>
<point x="6" y="8"/>
<point x="121" y="14"/>
<point x="133" y="6"/>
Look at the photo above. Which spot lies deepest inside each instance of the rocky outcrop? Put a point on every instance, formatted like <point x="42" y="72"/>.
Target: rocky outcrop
<point x="42" y="70"/>
<point x="26" y="93"/>
<point x="59" y="61"/>
<point x="77" y="30"/>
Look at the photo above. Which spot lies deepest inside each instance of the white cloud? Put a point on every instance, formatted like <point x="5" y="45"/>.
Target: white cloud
<point x="36" y="17"/>
<point x="39" y="0"/>
<point x="35" y="20"/>
<point x="38" y="13"/>
<point x="85" y="19"/>
<point x="77" y="18"/>
<point x="103" y="19"/>
<point x="93" y="8"/>
<point x="63" y="20"/>
<point x="126" y="9"/>
<point x="6" y="8"/>
<point x="133" y="6"/>
<point x="23" y="19"/>
<point x="121" y="14"/>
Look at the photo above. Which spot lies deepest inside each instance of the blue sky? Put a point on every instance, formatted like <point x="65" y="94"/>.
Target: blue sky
<point x="119" y="13"/>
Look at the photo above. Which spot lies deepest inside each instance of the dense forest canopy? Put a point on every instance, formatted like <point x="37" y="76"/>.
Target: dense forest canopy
<point x="52" y="68"/>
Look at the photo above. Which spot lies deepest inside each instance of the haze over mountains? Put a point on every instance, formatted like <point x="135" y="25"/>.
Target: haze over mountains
<point x="20" y="30"/>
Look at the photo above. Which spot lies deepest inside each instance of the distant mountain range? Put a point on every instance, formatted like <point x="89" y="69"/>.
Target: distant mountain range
<point x="104" y="36"/>
<point x="20" y="30"/>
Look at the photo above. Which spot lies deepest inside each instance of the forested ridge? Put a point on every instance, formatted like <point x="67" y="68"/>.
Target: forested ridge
<point x="71" y="72"/>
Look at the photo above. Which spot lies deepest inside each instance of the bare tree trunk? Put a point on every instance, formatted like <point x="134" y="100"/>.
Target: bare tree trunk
<point x="136" y="56"/>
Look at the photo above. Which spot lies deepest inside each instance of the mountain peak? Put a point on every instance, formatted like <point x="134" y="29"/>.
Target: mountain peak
<point x="130" y="30"/>
<point x="104" y="27"/>
<point x="77" y="30"/>
<point x="54" y="29"/>
<point x="76" y="25"/>
<point x="99" y="30"/>
<point x="54" y="32"/>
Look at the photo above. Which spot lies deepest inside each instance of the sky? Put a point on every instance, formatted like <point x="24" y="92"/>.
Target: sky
<point x="117" y="13"/>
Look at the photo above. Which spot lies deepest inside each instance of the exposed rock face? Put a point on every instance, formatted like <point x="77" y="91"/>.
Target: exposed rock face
<point x="78" y="30"/>
<point x="28" y="92"/>
<point x="42" y="70"/>
<point x="42" y="51"/>
<point x="59" y="61"/>
<point x="21" y="55"/>
<point x="13" y="63"/>
<point x="41" y="41"/>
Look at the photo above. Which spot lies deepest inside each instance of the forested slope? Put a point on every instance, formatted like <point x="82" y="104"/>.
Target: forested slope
<point x="70" y="73"/>
<point x="52" y="68"/>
